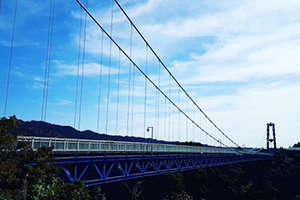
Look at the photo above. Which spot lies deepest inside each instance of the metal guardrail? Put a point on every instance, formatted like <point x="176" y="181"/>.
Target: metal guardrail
<point x="84" y="145"/>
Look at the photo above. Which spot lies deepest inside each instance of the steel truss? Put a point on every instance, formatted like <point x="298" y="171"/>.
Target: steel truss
<point x="106" y="169"/>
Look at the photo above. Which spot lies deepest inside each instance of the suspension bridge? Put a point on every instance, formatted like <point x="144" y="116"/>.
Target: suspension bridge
<point x="103" y="75"/>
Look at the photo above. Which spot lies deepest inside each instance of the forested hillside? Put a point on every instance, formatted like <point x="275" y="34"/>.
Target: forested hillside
<point x="44" y="129"/>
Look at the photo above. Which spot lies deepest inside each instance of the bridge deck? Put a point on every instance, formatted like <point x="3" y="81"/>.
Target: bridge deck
<point x="110" y="161"/>
<point x="81" y="146"/>
<point x="104" y="169"/>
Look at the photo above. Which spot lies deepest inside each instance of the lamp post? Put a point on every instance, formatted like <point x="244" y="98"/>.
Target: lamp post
<point x="148" y="129"/>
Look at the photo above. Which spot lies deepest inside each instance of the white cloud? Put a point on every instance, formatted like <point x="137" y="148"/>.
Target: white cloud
<point x="90" y="70"/>
<point x="38" y="85"/>
<point x="64" y="102"/>
<point x="244" y="115"/>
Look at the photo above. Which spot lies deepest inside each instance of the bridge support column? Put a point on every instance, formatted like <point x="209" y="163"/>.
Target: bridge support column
<point x="271" y="140"/>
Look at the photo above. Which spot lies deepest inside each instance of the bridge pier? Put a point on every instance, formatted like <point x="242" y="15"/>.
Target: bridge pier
<point x="271" y="140"/>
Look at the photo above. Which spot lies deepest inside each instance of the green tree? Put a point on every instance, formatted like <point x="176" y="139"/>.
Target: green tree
<point x="297" y="145"/>
<point x="97" y="194"/>
<point x="136" y="190"/>
<point x="28" y="174"/>
<point x="178" y="196"/>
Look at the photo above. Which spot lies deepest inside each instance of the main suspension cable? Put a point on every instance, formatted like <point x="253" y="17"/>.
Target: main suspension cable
<point x="172" y="74"/>
<point x="141" y="71"/>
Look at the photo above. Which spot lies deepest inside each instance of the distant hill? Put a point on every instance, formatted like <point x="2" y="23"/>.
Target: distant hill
<point x="44" y="129"/>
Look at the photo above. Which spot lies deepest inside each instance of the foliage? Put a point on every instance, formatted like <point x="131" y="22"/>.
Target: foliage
<point x="297" y="145"/>
<point x="190" y="144"/>
<point x="97" y="194"/>
<point x="275" y="179"/>
<point x="136" y="190"/>
<point x="179" y="196"/>
<point x="28" y="174"/>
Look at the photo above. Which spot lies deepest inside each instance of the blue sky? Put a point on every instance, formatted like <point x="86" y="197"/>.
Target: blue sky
<point x="239" y="60"/>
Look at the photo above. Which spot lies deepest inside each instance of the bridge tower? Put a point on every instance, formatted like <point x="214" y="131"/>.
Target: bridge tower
<point x="271" y="140"/>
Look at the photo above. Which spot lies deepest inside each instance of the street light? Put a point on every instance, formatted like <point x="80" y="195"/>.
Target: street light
<point x="148" y="129"/>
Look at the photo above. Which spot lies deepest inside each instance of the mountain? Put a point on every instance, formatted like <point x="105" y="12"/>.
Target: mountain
<point x="44" y="129"/>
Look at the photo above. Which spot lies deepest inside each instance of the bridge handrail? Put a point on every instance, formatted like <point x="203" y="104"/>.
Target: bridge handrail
<point x="90" y="145"/>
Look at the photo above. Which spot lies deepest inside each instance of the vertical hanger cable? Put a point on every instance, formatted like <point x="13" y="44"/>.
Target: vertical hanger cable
<point x="118" y="93"/>
<point x="10" y="57"/>
<point x="78" y="66"/>
<point x="49" y="59"/>
<point x="129" y="82"/>
<point x="109" y="69"/>
<point x="100" y="83"/>
<point x="82" y="71"/>
<point x="145" y="99"/>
